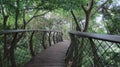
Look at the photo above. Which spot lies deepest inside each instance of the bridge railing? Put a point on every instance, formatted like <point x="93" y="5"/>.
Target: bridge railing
<point x="17" y="47"/>
<point x="93" y="50"/>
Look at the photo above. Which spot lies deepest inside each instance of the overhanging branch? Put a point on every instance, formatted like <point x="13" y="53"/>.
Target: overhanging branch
<point x="99" y="8"/>
<point x="90" y="5"/>
<point x="35" y="17"/>
<point x="85" y="10"/>
<point x="75" y="19"/>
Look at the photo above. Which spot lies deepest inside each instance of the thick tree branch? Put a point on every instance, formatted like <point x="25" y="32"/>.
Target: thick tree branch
<point x="24" y="19"/>
<point x="16" y="15"/>
<point x="75" y="19"/>
<point x="87" y="14"/>
<point x="2" y="9"/>
<point x="90" y="5"/>
<point x="34" y="17"/>
<point x="108" y="14"/>
<point x="99" y="8"/>
<point x="85" y="10"/>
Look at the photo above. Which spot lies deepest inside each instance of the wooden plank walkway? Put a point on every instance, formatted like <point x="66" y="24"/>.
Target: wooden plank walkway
<point x="53" y="56"/>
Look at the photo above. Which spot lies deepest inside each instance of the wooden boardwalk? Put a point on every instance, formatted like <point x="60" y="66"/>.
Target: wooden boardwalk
<point x="53" y="56"/>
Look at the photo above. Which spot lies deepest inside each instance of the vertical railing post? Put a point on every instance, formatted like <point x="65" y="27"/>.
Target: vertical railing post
<point x="61" y="36"/>
<point x="5" y="46"/>
<point x="49" y="38"/>
<point x="12" y="58"/>
<point x="75" y="51"/>
<point x="13" y="44"/>
<point x="71" y="48"/>
<point x="82" y="46"/>
<point x="0" y="59"/>
<point x="58" y="37"/>
<point x="6" y="50"/>
<point x="43" y="39"/>
<point x="94" y="50"/>
<point x="54" y="37"/>
<point x="31" y="45"/>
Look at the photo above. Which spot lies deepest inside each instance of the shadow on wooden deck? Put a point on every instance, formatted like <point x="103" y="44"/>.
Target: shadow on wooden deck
<point x="53" y="56"/>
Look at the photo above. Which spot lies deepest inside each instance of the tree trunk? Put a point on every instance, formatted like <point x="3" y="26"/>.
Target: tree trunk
<point x="16" y="15"/>
<point x="86" y="22"/>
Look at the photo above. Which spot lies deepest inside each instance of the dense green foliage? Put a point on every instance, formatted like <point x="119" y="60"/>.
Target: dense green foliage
<point x="111" y="17"/>
<point x="57" y="15"/>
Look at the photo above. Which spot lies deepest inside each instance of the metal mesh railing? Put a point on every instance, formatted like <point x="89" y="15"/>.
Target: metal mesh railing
<point x="91" y="50"/>
<point x="17" y="47"/>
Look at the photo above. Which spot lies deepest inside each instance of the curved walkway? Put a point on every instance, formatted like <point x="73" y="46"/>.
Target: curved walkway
<point x="53" y="56"/>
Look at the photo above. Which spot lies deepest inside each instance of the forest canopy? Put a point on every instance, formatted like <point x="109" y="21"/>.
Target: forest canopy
<point x="80" y="14"/>
<point x="93" y="16"/>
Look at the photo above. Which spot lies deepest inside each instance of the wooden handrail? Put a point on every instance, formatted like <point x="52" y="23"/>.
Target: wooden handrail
<point x="18" y="34"/>
<point x="92" y="45"/>
<point x="23" y="30"/>
<point x="105" y="37"/>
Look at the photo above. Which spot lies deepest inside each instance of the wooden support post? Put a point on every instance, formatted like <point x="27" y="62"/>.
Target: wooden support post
<point x="54" y="41"/>
<point x="57" y="37"/>
<point x="31" y="45"/>
<point x="5" y="46"/>
<point x="12" y="58"/>
<point x="13" y="44"/>
<point x="0" y="59"/>
<point x="94" y="50"/>
<point x="70" y="51"/>
<point x="50" y="38"/>
<point x="6" y="50"/>
<point x="75" y="51"/>
<point x="43" y="40"/>
<point x="61" y="36"/>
